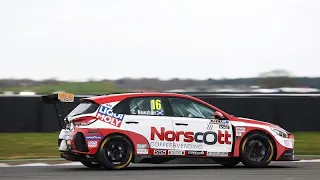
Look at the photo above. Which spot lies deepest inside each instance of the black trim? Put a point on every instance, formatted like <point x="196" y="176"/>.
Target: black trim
<point x="122" y="107"/>
<point x="287" y="155"/>
<point x="234" y="139"/>
<point x="168" y="106"/>
<point x="80" y="143"/>
<point x="75" y="157"/>
<point x="59" y="142"/>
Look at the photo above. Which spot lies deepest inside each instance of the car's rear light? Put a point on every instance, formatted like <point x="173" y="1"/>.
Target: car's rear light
<point x="84" y="121"/>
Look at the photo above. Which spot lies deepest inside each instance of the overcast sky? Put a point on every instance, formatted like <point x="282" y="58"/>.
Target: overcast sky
<point x="78" y="40"/>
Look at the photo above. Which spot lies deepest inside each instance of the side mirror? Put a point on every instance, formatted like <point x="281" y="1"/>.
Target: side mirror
<point x="219" y="115"/>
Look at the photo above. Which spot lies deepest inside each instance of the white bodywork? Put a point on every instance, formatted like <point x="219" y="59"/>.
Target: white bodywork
<point x="142" y="125"/>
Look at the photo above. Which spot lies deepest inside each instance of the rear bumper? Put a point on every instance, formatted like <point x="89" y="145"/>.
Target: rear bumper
<point x="77" y="157"/>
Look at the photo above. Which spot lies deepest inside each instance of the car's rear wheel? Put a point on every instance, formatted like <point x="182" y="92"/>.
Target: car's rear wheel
<point x="91" y="164"/>
<point x="227" y="162"/>
<point x="256" y="150"/>
<point x="115" y="152"/>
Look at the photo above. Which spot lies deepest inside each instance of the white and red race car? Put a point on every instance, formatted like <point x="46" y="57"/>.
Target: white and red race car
<point x="112" y="131"/>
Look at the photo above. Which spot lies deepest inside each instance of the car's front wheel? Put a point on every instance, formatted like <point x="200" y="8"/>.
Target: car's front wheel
<point x="115" y="152"/>
<point x="256" y="150"/>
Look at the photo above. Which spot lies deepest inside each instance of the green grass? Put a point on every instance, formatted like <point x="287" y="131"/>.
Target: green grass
<point x="307" y="143"/>
<point x="44" y="145"/>
<point x="71" y="87"/>
<point x="28" y="145"/>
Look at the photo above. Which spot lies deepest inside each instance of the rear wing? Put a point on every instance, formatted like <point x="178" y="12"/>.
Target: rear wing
<point x="57" y="100"/>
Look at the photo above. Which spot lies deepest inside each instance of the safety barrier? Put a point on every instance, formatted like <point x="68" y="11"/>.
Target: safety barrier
<point x="294" y="112"/>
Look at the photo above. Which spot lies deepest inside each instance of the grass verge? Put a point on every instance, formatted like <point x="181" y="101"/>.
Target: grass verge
<point x="44" y="145"/>
<point x="28" y="145"/>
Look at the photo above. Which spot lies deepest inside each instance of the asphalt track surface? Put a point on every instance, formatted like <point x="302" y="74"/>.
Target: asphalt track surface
<point x="276" y="171"/>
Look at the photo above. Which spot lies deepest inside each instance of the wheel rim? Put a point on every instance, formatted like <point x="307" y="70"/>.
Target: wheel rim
<point x="116" y="152"/>
<point x="256" y="150"/>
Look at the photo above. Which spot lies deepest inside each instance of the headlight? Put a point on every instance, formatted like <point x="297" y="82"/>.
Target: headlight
<point x="280" y="132"/>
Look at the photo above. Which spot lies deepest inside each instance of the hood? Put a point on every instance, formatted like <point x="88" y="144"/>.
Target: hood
<point x="253" y="121"/>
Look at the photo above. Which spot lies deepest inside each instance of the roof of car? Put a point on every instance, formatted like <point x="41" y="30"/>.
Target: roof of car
<point x="120" y="96"/>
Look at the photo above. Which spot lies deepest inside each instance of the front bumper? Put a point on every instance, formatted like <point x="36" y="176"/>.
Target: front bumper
<point x="288" y="155"/>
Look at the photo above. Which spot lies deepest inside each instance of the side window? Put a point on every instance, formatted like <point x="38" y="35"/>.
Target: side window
<point x="150" y="106"/>
<point x="187" y="108"/>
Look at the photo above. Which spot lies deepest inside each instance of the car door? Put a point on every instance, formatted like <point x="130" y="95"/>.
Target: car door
<point x="148" y="117"/>
<point x="198" y="132"/>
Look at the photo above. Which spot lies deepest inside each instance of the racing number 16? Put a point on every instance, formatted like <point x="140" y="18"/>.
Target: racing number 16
<point x="156" y="104"/>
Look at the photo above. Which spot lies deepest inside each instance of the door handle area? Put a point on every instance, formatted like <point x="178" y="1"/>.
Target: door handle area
<point x="132" y="122"/>
<point x="181" y="124"/>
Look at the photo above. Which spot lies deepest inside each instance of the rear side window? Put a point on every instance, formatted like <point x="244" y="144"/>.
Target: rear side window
<point x="86" y="107"/>
<point x="149" y="106"/>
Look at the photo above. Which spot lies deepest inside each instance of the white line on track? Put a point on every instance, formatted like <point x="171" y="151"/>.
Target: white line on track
<point x="40" y="164"/>
<point x="79" y="164"/>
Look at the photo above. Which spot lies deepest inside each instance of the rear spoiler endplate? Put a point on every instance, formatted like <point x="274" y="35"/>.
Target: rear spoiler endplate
<point x="57" y="100"/>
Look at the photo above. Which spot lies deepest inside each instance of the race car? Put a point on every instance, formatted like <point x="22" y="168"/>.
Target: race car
<point x="112" y="131"/>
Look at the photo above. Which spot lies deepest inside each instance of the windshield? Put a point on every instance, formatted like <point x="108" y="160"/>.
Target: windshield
<point x="84" y="108"/>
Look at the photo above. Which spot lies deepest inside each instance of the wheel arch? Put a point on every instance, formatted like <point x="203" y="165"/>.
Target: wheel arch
<point x="123" y="135"/>
<point x="263" y="132"/>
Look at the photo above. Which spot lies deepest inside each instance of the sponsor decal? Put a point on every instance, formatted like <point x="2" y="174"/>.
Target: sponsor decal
<point x="217" y="153"/>
<point x="238" y="134"/>
<point x="105" y="114"/>
<point x="92" y="144"/>
<point x="171" y="145"/>
<point x="240" y="129"/>
<point x="176" y="152"/>
<point x="77" y="124"/>
<point x="141" y="146"/>
<point x="159" y="152"/>
<point x="195" y="153"/>
<point x="287" y="142"/>
<point x="222" y="137"/>
<point x="223" y="127"/>
<point x="92" y="131"/>
<point x="288" y="154"/>
<point x="142" y="151"/>
<point x="66" y="97"/>
<point x="220" y="122"/>
<point x="108" y="105"/>
<point x="93" y="137"/>
<point x="148" y="112"/>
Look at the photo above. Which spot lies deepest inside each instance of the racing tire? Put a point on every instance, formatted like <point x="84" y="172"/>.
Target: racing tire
<point x="115" y="148"/>
<point x="227" y="162"/>
<point x="256" y="150"/>
<point x="90" y="165"/>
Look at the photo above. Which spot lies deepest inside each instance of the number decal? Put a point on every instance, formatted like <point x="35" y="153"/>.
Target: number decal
<point x="156" y="104"/>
